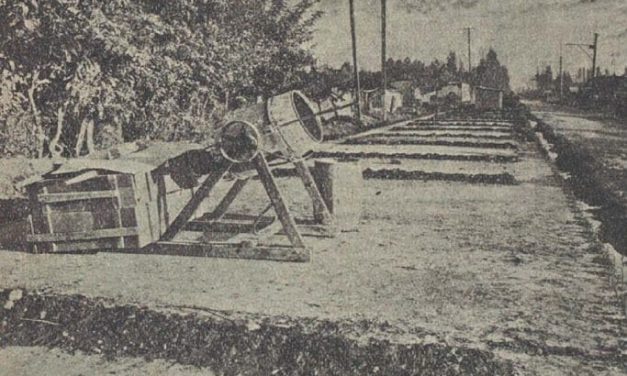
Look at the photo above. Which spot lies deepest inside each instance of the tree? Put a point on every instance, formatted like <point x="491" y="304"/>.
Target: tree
<point x="156" y="69"/>
<point x="490" y="73"/>
<point x="545" y="80"/>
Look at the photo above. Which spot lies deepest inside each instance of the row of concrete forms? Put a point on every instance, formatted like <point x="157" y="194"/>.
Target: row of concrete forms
<point x="405" y="96"/>
<point x="440" y="246"/>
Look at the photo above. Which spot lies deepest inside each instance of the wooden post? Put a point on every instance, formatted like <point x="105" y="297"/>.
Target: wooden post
<point x="355" y="65"/>
<point x="280" y="207"/>
<point x="383" y="57"/>
<point x="594" y="48"/>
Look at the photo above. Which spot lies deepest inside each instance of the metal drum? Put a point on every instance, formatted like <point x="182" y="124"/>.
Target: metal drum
<point x="286" y="124"/>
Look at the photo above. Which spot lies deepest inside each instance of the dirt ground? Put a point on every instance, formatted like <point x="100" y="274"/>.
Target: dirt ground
<point x="28" y="361"/>
<point x="511" y="269"/>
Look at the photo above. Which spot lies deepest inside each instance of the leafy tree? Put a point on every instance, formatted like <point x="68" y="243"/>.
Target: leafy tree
<point x="163" y="69"/>
<point x="544" y="80"/>
<point x="491" y="73"/>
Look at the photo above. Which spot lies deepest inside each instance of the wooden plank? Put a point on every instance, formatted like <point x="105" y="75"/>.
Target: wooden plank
<point x="34" y="247"/>
<point x="83" y="246"/>
<point x="50" y="198"/>
<point x="87" y="175"/>
<point x="229" y="250"/>
<point x="93" y="206"/>
<point x="200" y="195"/>
<point x="227" y="226"/>
<point x="162" y="204"/>
<point x="117" y="218"/>
<point x="280" y="207"/>
<point x="103" y="233"/>
<point x="98" y="183"/>
<point x="228" y="199"/>
<point x="46" y="212"/>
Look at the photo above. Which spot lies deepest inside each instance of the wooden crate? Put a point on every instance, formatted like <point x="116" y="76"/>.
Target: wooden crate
<point x="106" y="211"/>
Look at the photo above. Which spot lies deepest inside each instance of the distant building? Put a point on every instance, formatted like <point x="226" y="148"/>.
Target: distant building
<point x="450" y="89"/>
<point x="406" y="88"/>
<point x="460" y="90"/>
<point x="427" y="97"/>
<point x="466" y="93"/>
<point x="393" y="100"/>
<point x="488" y="98"/>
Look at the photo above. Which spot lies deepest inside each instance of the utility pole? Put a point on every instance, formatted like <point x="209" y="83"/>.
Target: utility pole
<point x="613" y="55"/>
<point x="561" y="73"/>
<point x="594" y="54"/>
<point x="383" y="57"/>
<point x="593" y="47"/>
<point x="355" y="65"/>
<point x="468" y="29"/>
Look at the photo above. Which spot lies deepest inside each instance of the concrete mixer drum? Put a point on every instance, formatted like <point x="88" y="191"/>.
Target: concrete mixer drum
<point x="285" y="124"/>
<point x="292" y="116"/>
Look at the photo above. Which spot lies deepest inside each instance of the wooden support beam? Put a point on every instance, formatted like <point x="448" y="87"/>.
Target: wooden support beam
<point x="94" y="234"/>
<point x="231" y="195"/>
<point x="228" y="226"/>
<point x="82" y="177"/>
<point x="230" y="250"/>
<point x="202" y="193"/>
<point x="280" y="207"/>
<point x="49" y="198"/>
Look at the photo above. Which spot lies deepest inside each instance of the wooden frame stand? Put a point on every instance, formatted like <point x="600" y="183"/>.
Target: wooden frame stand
<point x="249" y="244"/>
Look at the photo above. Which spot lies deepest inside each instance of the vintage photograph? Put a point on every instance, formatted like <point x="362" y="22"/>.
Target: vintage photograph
<point x="313" y="187"/>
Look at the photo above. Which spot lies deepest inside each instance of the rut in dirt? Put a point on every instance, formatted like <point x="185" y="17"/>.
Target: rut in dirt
<point x="227" y="346"/>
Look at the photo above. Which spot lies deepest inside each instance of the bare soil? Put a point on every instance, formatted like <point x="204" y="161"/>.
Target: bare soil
<point x="440" y="278"/>
<point x="29" y="361"/>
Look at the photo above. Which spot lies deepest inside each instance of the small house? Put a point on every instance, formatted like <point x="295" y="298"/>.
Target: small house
<point x="393" y="100"/>
<point x="406" y="88"/>
<point x="460" y="90"/>
<point x="488" y="98"/>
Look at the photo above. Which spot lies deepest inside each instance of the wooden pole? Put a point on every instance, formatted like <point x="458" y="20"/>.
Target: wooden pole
<point x="383" y="57"/>
<point x="469" y="55"/>
<point x="561" y="74"/>
<point x="594" y="54"/>
<point x="355" y="65"/>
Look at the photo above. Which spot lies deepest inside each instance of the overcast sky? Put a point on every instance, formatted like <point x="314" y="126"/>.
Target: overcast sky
<point x="525" y="33"/>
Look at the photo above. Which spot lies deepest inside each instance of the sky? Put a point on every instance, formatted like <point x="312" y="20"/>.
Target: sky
<point x="526" y="34"/>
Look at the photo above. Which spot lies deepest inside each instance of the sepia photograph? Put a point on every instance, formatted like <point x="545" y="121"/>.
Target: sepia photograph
<point x="313" y="187"/>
